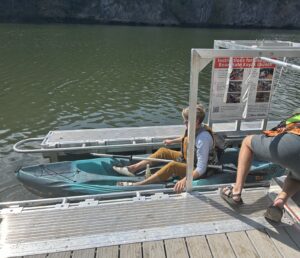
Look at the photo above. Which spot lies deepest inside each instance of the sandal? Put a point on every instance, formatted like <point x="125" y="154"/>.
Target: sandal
<point x="274" y="213"/>
<point x="125" y="184"/>
<point x="228" y="197"/>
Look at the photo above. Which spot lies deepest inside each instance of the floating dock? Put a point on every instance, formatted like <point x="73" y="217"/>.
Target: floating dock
<point x="60" y="143"/>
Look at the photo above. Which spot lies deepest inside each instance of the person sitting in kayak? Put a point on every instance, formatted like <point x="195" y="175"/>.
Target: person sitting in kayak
<point x="204" y="149"/>
<point x="280" y="145"/>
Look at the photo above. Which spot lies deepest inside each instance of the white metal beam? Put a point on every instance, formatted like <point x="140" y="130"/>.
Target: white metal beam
<point x="199" y="59"/>
<point x="212" y="53"/>
<point x="281" y="63"/>
<point x="197" y="65"/>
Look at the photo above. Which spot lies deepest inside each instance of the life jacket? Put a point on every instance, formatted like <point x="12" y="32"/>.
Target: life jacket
<point x="289" y="125"/>
<point x="212" y="158"/>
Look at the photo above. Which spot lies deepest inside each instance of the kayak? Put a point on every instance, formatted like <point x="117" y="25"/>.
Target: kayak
<point x="96" y="176"/>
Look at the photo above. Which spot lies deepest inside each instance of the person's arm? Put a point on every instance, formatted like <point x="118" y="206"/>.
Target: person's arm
<point x="180" y="185"/>
<point x="173" y="141"/>
<point x="203" y="143"/>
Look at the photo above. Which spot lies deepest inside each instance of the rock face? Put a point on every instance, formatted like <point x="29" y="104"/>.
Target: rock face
<point x="233" y="13"/>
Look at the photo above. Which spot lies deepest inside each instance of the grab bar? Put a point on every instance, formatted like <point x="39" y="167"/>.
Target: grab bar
<point x="17" y="148"/>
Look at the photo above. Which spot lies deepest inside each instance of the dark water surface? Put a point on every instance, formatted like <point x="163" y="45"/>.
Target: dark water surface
<point x="55" y="77"/>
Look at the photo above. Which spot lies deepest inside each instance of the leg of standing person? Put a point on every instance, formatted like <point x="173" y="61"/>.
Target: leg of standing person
<point x="275" y="211"/>
<point x="244" y="163"/>
<point x="283" y="150"/>
<point x="290" y="188"/>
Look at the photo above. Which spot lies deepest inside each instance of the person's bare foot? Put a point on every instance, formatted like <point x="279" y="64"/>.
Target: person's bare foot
<point x="123" y="171"/>
<point x="279" y="202"/>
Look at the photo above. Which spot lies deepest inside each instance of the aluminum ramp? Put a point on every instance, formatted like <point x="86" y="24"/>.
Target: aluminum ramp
<point x="93" y="223"/>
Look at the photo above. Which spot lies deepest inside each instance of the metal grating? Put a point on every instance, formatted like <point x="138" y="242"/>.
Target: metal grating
<point x="100" y="136"/>
<point x="94" y="224"/>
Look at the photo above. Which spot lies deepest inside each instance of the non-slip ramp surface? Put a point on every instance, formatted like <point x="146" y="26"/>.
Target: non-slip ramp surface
<point x="99" y="224"/>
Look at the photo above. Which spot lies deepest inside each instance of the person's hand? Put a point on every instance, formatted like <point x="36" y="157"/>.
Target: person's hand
<point x="180" y="185"/>
<point x="168" y="142"/>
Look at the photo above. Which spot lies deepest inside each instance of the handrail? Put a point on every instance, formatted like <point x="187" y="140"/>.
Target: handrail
<point x="16" y="147"/>
<point x="280" y="63"/>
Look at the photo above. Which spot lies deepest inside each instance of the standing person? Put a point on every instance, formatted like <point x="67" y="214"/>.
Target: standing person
<point x="204" y="148"/>
<point x="280" y="145"/>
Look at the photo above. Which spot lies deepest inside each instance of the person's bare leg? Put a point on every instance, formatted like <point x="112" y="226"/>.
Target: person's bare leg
<point x="290" y="187"/>
<point x="136" y="167"/>
<point x="244" y="163"/>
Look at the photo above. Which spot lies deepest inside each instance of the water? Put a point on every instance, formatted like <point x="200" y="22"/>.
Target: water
<point x="55" y="77"/>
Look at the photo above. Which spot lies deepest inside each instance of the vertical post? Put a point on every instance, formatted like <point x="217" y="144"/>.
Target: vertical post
<point x="264" y="123"/>
<point x="192" y="118"/>
<point x="238" y="124"/>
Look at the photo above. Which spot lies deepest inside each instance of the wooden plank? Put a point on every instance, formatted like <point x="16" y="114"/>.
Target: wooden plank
<point x="294" y="233"/>
<point x="86" y="253"/>
<point x="283" y="242"/>
<point x="154" y="249"/>
<point x="131" y="251"/>
<point x="241" y="244"/>
<point x="108" y="251"/>
<point x="263" y="244"/>
<point x="36" y="256"/>
<point x="59" y="255"/>
<point x="198" y="247"/>
<point x="176" y="248"/>
<point x="220" y="246"/>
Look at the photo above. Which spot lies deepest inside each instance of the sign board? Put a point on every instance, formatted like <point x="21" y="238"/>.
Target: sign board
<point x="241" y="88"/>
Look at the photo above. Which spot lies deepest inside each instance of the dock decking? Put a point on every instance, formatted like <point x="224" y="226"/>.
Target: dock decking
<point x="159" y="225"/>
<point x="276" y="242"/>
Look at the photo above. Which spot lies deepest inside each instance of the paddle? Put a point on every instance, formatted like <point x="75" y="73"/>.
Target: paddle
<point x="130" y="157"/>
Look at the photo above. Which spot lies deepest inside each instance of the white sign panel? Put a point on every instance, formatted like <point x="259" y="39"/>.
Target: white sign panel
<point x="241" y="88"/>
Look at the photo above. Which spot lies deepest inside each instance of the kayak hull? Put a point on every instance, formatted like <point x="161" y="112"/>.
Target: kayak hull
<point x="96" y="176"/>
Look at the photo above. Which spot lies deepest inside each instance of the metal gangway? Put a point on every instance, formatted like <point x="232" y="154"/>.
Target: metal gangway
<point x="148" y="224"/>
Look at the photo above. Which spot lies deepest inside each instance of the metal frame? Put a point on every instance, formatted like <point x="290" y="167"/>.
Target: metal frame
<point x="256" y="44"/>
<point x="105" y="140"/>
<point x="200" y="58"/>
<point x="122" y="144"/>
<point x="17" y="148"/>
<point x="61" y="201"/>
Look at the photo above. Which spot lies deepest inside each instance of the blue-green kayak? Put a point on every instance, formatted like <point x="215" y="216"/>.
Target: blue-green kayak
<point x="96" y="176"/>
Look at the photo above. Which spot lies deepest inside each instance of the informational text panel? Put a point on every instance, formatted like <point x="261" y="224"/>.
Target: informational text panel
<point x="240" y="83"/>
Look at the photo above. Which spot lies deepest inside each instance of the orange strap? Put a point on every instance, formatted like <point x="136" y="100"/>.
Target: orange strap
<point x="293" y="128"/>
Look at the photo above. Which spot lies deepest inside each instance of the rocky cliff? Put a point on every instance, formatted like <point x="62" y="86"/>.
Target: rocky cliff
<point x="241" y="13"/>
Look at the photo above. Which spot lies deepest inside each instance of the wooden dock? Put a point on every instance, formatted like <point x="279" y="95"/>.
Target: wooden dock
<point x="276" y="242"/>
